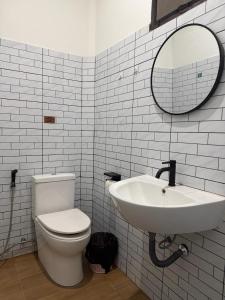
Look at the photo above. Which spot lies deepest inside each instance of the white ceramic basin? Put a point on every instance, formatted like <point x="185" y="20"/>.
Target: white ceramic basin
<point x="149" y="204"/>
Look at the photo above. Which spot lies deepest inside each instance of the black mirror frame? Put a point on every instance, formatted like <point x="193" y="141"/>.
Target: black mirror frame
<point x="219" y="75"/>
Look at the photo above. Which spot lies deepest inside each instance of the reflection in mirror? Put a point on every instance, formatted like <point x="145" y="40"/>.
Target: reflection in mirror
<point x="186" y="69"/>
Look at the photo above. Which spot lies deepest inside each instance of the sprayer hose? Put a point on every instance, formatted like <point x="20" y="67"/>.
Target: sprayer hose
<point x="12" y="190"/>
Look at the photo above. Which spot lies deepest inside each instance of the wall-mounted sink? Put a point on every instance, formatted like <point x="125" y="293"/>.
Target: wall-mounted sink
<point x="149" y="204"/>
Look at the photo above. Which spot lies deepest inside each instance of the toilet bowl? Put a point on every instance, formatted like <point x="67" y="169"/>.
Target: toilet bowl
<point x="61" y="253"/>
<point x="62" y="235"/>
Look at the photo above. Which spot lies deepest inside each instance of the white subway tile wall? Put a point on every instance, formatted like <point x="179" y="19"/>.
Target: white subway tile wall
<point x="87" y="134"/>
<point x="107" y="120"/>
<point x="133" y="137"/>
<point x="36" y="82"/>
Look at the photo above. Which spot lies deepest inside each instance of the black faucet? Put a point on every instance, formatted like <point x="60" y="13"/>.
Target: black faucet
<point x="13" y="178"/>
<point x="171" y="169"/>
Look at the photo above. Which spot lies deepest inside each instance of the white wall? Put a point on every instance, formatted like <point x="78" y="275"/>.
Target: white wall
<point x="63" y="25"/>
<point x="82" y="27"/>
<point x="116" y="19"/>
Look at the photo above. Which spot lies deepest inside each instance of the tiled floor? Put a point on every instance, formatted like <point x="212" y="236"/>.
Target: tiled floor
<point x="22" y="278"/>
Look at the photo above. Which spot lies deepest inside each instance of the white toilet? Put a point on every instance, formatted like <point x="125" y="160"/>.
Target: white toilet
<point x="62" y="231"/>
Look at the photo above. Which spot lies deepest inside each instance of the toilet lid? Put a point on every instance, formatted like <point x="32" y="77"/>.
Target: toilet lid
<point x="69" y="221"/>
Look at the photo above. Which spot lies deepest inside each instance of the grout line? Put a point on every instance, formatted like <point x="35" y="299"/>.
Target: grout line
<point x="81" y="131"/>
<point x="41" y="74"/>
<point x="93" y="155"/>
<point x="105" y="144"/>
<point x="42" y="117"/>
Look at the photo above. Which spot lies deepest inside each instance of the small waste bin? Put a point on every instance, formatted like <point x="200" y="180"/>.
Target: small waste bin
<point x="101" y="251"/>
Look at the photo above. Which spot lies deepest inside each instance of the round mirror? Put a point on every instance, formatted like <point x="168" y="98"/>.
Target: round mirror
<point x="187" y="69"/>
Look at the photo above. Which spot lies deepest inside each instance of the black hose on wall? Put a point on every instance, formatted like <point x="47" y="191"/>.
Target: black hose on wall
<point x="168" y="261"/>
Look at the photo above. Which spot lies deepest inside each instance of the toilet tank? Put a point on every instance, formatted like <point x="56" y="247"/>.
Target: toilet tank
<point x="51" y="193"/>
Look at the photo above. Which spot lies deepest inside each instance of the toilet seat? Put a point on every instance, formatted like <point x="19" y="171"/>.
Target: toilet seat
<point x="65" y="223"/>
<point x="66" y="238"/>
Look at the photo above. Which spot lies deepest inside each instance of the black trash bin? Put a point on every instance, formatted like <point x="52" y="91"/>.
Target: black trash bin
<point x="102" y="250"/>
